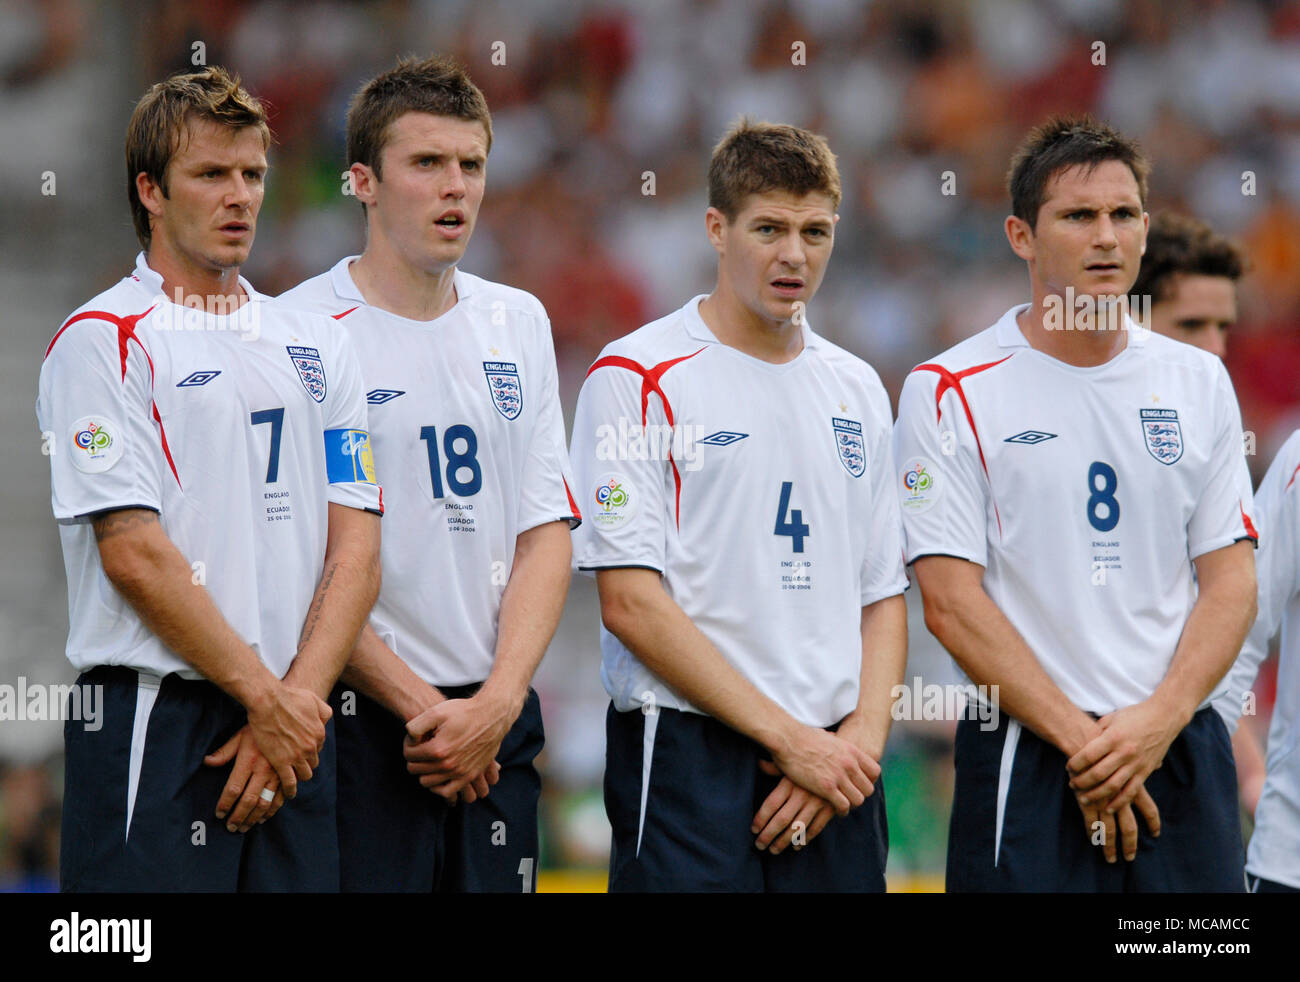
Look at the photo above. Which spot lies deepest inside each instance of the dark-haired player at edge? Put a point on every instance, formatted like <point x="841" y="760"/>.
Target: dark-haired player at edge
<point x="1188" y="280"/>
<point x="1078" y="470"/>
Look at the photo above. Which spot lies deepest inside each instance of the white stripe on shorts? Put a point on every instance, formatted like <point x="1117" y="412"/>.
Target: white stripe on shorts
<point x="145" y="694"/>
<point x="647" y="755"/>
<point x="1004" y="781"/>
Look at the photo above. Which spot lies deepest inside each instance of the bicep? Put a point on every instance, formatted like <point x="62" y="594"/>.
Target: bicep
<point x="352" y="530"/>
<point x="125" y="536"/>
<point x="626" y="588"/>
<point x="549" y="538"/>
<point x="948" y="584"/>
<point x="947" y="575"/>
<point x="1229" y="569"/>
<point x="887" y="614"/>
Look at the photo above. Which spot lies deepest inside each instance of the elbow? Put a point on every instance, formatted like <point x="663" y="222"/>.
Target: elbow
<point x="621" y="609"/>
<point x="939" y="615"/>
<point x="129" y="566"/>
<point x="617" y="612"/>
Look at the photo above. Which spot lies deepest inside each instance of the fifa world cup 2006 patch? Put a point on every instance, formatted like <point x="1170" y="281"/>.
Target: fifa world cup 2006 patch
<point x="615" y="501"/>
<point x="922" y="485"/>
<point x="97" y="444"/>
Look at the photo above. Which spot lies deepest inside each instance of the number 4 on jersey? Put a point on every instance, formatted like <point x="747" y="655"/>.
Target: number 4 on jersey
<point x="795" y="527"/>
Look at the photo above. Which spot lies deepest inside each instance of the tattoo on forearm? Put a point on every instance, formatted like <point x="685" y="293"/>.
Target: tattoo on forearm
<point x="110" y="523"/>
<point x="318" y="602"/>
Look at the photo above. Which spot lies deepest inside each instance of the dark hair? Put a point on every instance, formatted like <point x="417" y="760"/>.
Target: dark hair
<point x="1180" y="244"/>
<point x="752" y="158"/>
<point x="160" y="117"/>
<point x="1063" y="142"/>
<point x="436" y="85"/>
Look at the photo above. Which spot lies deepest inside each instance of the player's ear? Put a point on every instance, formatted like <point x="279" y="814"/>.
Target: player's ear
<point x="1021" y="237"/>
<point x="1146" y="227"/>
<point x="364" y="183"/>
<point x="715" y="224"/>
<point x="150" y="193"/>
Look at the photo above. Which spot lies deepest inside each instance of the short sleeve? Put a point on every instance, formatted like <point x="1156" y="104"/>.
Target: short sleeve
<point x="1277" y="565"/>
<point x="95" y="408"/>
<point x="349" y="460"/>
<point x="546" y="494"/>
<point x="625" y="502"/>
<point x="942" y="490"/>
<point x="882" y="572"/>
<point x="1223" y="514"/>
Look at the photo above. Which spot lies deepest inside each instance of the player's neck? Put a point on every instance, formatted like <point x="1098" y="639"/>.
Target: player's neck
<point x="397" y="287"/>
<point x="183" y="281"/>
<point x="1081" y="334"/>
<point x="736" y="326"/>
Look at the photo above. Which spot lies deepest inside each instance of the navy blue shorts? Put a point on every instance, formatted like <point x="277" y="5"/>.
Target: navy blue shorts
<point x="681" y="791"/>
<point x="396" y="837"/>
<point x="1016" y="825"/>
<point x="147" y="758"/>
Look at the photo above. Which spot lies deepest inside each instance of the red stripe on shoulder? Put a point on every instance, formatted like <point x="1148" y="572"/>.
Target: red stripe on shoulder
<point x="649" y="377"/>
<point x="339" y="317"/>
<point x="650" y="383"/>
<point x="953" y="380"/>
<point x="125" y="329"/>
<point x="125" y="335"/>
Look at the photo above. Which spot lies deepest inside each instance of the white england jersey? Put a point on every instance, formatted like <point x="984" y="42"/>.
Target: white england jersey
<point x="762" y="494"/>
<point x="1275" y="845"/>
<point x="238" y="430"/>
<point x="468" y="432"/>
<point x="1085" y="493"/>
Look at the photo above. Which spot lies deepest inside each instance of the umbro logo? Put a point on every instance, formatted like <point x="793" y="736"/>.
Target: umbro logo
<point x="1030" y="437"/>
<point x="723" y="438"/>
<point x="377" y="397"/>
<point x="198" y="378"/>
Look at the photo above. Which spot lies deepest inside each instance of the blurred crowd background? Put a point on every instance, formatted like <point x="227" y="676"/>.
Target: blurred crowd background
<point x="586" y="98"/>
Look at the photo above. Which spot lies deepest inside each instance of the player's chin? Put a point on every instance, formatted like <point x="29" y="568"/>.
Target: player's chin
<point x="231" y="255"/>
<point x="448" y="252"/>
<point x="783" y="308"/>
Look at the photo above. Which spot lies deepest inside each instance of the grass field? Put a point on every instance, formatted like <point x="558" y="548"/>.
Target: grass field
<point x="595" y="881"/>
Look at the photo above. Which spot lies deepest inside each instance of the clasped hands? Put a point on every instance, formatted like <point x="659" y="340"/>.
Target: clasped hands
<point x="822" y="774"/>
<point x="1108" y="773"/>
